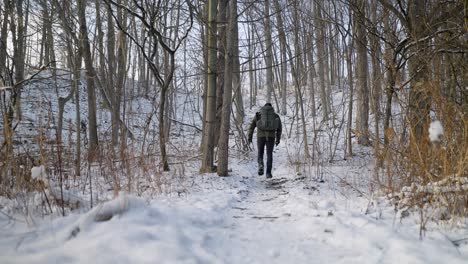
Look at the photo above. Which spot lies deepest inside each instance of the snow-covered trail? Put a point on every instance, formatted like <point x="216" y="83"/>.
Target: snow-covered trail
<point x="291" y="219"/>
<point x="238" y="219"/>
<point x="271" y="223"/>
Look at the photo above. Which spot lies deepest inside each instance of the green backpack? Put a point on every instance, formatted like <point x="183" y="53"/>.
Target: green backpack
<point x="268" y="121"/>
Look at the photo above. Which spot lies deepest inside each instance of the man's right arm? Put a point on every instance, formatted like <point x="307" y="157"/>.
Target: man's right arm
<point x="252" y="127"/>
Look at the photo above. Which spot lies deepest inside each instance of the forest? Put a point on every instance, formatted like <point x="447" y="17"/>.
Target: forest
<point x="110" y="102"/>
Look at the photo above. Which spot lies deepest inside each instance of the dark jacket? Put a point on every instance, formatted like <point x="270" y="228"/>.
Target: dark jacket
<point x="261" y="133"/>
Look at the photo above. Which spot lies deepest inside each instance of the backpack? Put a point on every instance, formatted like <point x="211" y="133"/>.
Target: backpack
<point x="268" y="121"/>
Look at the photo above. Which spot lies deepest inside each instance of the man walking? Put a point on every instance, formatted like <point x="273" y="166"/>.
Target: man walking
<point x="268" y="134"/>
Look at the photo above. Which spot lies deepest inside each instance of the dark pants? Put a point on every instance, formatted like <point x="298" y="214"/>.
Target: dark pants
<point x="270" y="143"/>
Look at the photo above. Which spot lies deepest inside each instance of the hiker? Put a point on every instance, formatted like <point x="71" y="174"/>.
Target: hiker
<point x="269" y="133"/>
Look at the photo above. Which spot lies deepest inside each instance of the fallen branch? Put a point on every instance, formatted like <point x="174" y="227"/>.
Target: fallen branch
<point x="185" y="124"/>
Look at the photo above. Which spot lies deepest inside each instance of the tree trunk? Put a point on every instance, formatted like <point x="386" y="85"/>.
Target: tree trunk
<point x="310" y="54"/>
<point x="320" y="41"/>
<point x="348" y="50"/>
<point x="223" y="144"/>
<point x="7" y="127"/>
<point x="204" y="43"/>
<point x="100" y="46"/>
<point x="332" y="55"/>
<point x="208" y="148"/>
<point x="75" y="58"/>
<point x="222" y="26"/>
<point x="362" y="118"/>
<point x="120" y="84"/>
<point x="300" y="102"/>
<point x="4" y="36"/>
<point x="376" y="87"/>
<point x="236" y="78"/>
<point x="251" y="58"/>
<point x="269" y="53"/>
<point x="110" y="86"/>
<point x="18" y="59"/>
<point x="391" y="73"/>
<point x="376" y="59"/>
<point x="90" y="75"/>
<point x="162" y="136"/>
<point x="283" y="63"/>
<point x="419" y="100"/>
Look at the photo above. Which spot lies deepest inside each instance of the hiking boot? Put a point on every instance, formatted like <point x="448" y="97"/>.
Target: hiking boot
<point x="268" y="175"/>
<point x="260" y="169"/>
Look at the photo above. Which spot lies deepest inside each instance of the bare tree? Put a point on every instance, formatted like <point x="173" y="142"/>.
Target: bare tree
<point x="74" y="53"/>
<point x="362" y="118"/>
<point x="320" y="41"/>
<point x="210" y="93"/>
<point x="149" y="15"/>
<point x="223" y="6"/>
<point x="236" y="79"/>
<point x="311" y="70"/>
<point x="223" y="144"/>
<point x="348" y="51"/>
<point x="269" y="52"/>
<point x="283" y="62"/>
<point x="251" y="61"/>
<point x="18" y="55"/>
<point x="90" y="84"/>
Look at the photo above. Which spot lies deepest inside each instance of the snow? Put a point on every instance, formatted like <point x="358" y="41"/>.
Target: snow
<point x="38" y="172"/>
<point x="243" y="218"/>
<point x="436" y="131"/>
<point x="308" y="213"/>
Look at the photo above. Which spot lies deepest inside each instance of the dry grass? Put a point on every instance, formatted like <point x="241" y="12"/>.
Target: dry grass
<point x="423" y="174"/>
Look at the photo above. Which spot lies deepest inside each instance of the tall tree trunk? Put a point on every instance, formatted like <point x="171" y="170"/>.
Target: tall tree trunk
<point x="269" y="53"/>
<point x="300" y="102"/>
<point x="349" y="55"/>
<point x="419" y="101"/>
<point x="283" y="62"/>
<point x="18" y="59"/>
<point x="223" y="144"/>
<point x="252" y="64"/>
<point x="47" y="49"/>
<point x="320" y="41"/>
<point x="236" y="78"/>
<point x="204" y="43"/>
<point x="251" y="58"/>
<point x="74" y="58"/>
<point x="310" y="55"/>
<point x="332" y="53"/>
<point x="120" y="84"/>
<point x="162" y="136"/>
<point x="222" y="26"/>
<point x="4" y="35"/>
<point x="391" y="73"/>
<point x="100" y="46"/>
<point x="376" y="85"/>
<point x="7" y="126"/>
<point x="90" y="75"/>
<point x="376" y="58"/>
<point x="208" y="133"/>
<point x="297" y="45"/>
<point x="111" y="86"/>
<point x="362" y="118"/>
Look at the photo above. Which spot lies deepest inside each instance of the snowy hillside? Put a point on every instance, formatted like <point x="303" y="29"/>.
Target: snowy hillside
<point x="308" y="213"/>
<point x="323" y="213"/>
<point x="238" y="219"/>
<point x="131" y="131"/>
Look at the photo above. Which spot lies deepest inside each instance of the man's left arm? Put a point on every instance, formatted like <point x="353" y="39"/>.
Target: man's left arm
<point x="278" y="131"/>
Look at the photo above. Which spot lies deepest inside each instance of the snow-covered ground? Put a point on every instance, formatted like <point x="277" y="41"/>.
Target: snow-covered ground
<point x="308" y="213"/>
<point x="243" y="218"/>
